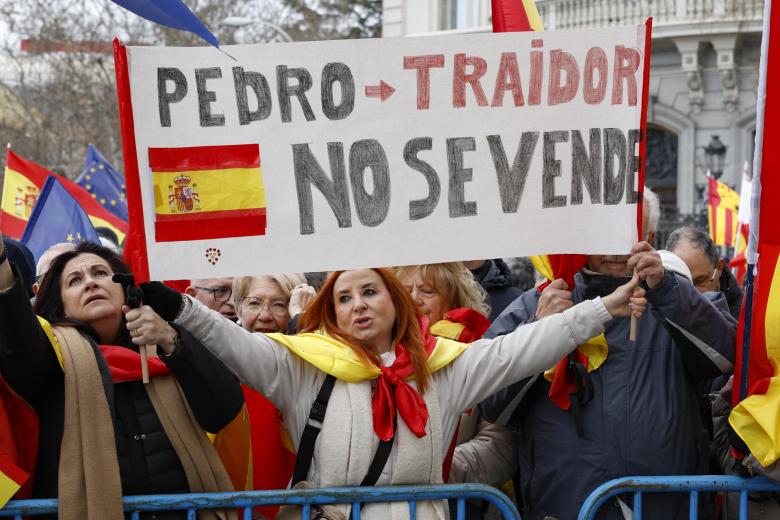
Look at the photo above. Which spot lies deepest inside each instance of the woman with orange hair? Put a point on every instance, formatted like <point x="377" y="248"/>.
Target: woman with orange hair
<point x="391" y="394"/>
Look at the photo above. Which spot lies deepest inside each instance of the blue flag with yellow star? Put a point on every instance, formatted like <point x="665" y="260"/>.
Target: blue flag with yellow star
<point x="103" y="182"/>
<point x="56" y="217"/>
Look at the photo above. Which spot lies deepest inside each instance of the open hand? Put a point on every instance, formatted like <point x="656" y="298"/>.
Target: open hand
<point x="299" y="297"/>
<point x="148" y="328"/>
<point x="555" y="298"/>
<point x="626" y="300"/>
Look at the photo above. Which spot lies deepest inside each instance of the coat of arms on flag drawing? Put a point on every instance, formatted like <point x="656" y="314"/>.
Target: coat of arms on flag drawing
<point x="207" y="192"/>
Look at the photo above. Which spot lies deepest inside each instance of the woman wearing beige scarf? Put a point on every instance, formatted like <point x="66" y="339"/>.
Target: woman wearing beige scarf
<point x="102" y="432"/>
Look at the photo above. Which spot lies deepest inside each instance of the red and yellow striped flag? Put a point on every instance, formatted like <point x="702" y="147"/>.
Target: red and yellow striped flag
<point x="756" y="419"/>
<point x="18" y="445"/>
<point x="21" y="185"/>
<point x="207" y="192"/>
<point x="515" y="16"/>
<point x="722" y="212"/>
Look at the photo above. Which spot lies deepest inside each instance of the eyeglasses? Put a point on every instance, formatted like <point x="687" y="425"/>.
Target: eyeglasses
<point x="701" y="281"/>
<point x="220" y="294"/>
<point x="254" y="305"/>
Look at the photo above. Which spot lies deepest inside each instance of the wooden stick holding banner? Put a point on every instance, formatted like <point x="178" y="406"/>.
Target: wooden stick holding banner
<point x="133" y="297"/>
<point x="144" y="351"/>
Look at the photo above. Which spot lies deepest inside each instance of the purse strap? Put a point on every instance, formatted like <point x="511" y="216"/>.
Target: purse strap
<point x="312" y="430"/>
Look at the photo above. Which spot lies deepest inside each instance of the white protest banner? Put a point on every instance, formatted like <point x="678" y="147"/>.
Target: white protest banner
<point x="358" y="153"/>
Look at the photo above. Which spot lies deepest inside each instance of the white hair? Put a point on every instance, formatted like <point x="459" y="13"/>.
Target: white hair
<point x="50" y="254"/>
<point x="653" y="210"/>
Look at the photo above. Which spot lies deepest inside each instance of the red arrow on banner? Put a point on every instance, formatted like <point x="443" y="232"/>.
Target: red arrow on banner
<point x="382" y="91"/>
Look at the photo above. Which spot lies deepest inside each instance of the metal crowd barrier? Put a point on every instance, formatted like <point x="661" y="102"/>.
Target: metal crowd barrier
<point x="693" y="485"/>
<point x="305" y="498"/>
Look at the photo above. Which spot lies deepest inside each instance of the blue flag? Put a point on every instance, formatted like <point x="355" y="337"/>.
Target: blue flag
<point x="56" y="217"/>
<point x="103" y="182"/>
<point x="171" y="13"/>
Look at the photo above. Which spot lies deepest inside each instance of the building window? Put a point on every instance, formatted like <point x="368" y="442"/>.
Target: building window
<point x="661" y="166"/>
<point x="461" y="14"/>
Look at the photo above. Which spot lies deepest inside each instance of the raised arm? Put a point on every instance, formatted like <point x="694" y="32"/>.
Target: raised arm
<point x="704" y="334"/>
<point x="489" y="365"/>
<point x="27" y="360"/>
<point x="255" y="359"/>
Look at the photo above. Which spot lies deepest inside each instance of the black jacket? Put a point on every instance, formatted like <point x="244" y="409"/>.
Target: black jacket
<point x="731" y="290"/>
<point x="496" y="278"/>
<point x="147" y="461"/>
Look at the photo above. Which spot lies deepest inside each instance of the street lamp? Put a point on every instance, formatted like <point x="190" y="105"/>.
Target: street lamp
<point x="715" y="155"/>
<point x="239" y="22"/>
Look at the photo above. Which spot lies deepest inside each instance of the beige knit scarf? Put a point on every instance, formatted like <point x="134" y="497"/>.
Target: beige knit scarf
<point x="89" y="485"/>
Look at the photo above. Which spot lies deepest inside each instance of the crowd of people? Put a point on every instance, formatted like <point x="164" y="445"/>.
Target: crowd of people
<point x="417" y="374"/>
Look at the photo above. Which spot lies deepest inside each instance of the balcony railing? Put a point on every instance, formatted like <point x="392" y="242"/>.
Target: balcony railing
<point x="572" y="14"/>
<point x="474" y="15"/>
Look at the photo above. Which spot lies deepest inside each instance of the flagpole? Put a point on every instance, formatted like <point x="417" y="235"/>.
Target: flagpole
<point x="746" y="329"/>
<point x="750" y="252"/>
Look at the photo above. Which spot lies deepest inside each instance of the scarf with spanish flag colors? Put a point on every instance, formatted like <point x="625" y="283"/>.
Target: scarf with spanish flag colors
<point x="590" y="355"/>
<point x="258" y="434"/>
<point x="392" y="392"/>
<point x="466" y="325"/>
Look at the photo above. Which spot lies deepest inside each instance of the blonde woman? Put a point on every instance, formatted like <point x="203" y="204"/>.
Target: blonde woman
<point x="454" y="303"/>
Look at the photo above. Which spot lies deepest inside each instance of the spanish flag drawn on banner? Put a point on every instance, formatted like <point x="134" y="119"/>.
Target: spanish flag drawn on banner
<point x="22" y="184"/>
<point x="756" y="419"/>
<point x="722" y="212"/>
<point x="207" y="192"/>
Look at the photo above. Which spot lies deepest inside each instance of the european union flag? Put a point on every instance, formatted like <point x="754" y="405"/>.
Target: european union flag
<point x="103" y="182"/>
<point x="172" y="13"/>
<point x="56" y="217"/>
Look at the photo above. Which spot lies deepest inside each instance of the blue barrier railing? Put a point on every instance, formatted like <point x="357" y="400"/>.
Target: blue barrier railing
<point x="304" y="498"/>
<point x="640" y="486"/>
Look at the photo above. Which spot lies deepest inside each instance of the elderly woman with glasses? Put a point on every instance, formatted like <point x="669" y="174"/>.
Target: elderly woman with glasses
<point x="267" y="303"/>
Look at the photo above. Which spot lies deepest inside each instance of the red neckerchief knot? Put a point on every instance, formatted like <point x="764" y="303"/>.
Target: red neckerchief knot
<point x="394" y="393"/>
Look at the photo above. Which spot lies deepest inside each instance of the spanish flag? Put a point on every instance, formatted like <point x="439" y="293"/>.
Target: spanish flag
<point x="22" y="184"/>
<point x="207" y="192"/>
<point x="18" y="445"/>
<point x="515" y="16"/>
<point x="756" y="419"/>
<point x="722" y="212"/>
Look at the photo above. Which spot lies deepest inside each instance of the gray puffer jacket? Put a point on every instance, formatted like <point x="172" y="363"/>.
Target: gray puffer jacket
<point x="645" y="416"/>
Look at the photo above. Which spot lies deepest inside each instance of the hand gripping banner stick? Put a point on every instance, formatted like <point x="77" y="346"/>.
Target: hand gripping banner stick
<point x="133" y="297"/>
